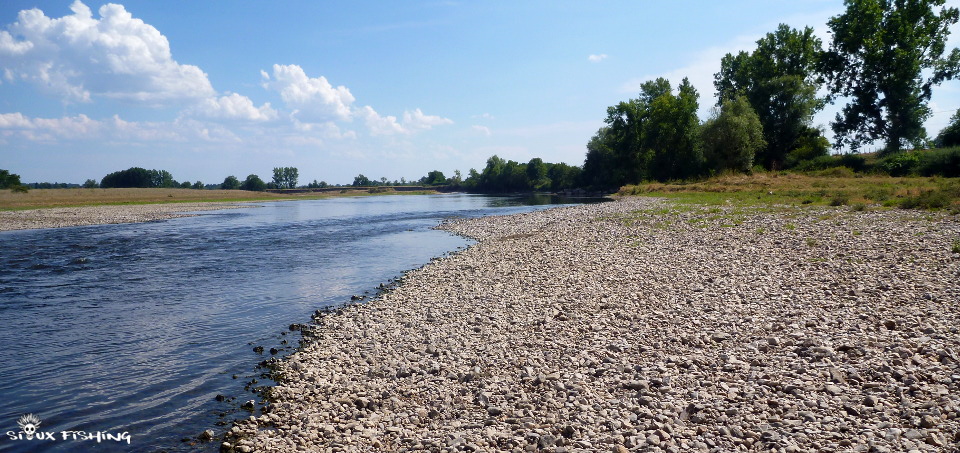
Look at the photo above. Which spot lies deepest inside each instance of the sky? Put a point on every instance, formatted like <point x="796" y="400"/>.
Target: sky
<point x="208" y="89"/>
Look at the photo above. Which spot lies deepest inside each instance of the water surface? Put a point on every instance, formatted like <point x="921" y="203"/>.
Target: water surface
<point x="138" y="328"/>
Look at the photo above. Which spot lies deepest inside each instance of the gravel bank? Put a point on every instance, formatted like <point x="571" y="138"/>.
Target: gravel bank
<point x="599" y="328"/>
<point x="102" y="215"/>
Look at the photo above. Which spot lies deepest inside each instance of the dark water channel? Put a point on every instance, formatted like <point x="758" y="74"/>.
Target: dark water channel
<point x="137" y="328"/>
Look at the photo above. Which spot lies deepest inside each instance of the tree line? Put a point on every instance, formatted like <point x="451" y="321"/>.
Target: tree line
<point x="884" y="59"/>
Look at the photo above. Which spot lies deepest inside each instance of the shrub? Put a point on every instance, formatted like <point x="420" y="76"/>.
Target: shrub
<point x="929" y="199"/>
<point x="943" y="162"/>
<point x="840" y="199"/>
<point x="901" y="164"/>
<point x="20" y="189"/>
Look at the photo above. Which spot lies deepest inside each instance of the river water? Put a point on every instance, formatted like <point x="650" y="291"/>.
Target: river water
<point x="137" y="328"/>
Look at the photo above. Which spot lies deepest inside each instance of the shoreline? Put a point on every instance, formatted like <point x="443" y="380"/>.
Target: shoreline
<point x="61" y="217"/>
<point x="598" y="327"/>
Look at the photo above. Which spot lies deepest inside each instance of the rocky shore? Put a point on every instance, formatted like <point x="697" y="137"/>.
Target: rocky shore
<point x="101" y="215"/>
<point x="641" y="325"/>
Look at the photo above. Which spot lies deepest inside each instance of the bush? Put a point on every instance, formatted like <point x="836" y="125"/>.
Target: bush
<point x="901" y="164"/>
<point x="942" y="162"/>
<point x="947" y="195"/>
<point x="20" y="189"/>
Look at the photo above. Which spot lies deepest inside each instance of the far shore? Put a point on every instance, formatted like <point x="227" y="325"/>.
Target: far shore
<point x="57" y="208"/>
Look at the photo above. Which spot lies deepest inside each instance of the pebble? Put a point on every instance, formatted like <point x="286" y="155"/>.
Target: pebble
<point x="639" y="325"/>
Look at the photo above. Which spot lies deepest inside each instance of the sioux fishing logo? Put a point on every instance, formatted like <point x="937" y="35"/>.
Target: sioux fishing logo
<point x="30" y="430"/>
<point x="29" y="424"/>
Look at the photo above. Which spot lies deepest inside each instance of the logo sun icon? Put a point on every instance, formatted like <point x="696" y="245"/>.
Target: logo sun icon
<point x="29" y="424"/>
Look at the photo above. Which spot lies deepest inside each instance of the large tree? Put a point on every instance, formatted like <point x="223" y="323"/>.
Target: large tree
<point x="885" y="57"/>
<point x="779" y="79"/>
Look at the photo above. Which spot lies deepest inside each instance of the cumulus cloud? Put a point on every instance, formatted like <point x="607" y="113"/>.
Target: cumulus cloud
<point x="389" y="125"/>
<point x="113" y="130"/>
<point x="233" y="107"/>
<point x="79" y="57"/>
<point x="313" y="98"/>
<point x="417" y="120"/>
<point x="380" y="125"/>
<point x="597" y="58"/>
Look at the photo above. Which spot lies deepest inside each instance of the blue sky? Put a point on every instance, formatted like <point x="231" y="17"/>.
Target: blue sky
<point x="388" y="89"/>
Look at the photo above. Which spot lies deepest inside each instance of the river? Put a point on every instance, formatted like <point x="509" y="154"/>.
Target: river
<point x="150" y="329"/>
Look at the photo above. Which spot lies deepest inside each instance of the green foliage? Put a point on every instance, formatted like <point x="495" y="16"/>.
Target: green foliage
<point x="434" y="178"/>
<point x="9" y="180"/>
<point x="733" y="136"/>
<point x="885" y="57"/>
<point x="185" y="185"/>
<point x="197" y="185"/>
<point x="955" y="247"/>
<point x="809" y="147"/>
<point x="90" y="184"/>
<point x="940" y="197"/>
<point x="655" y="136"/>
<point x="950" y="135"/>
<point x="317" y="185"/>
<point x="360" y="181"/>
<point x="900" y="164"/>
<point x="942" y="162"/>
<point x="20" y="188"/>
<point x="138" y="177"/>
<point x="779" y="79"/>
<point x="230" y="183"/>
<point x="285" y="177"/>
<point x="253" y="183"/>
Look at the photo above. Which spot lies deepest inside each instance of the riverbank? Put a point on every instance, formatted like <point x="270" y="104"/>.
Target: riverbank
<point x="28" y="219"/>
<point x="647" y="326"/>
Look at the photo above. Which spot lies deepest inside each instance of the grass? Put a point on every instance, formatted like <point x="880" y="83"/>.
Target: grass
<point x="791" y="189"/>
<point x="50" y="198"/>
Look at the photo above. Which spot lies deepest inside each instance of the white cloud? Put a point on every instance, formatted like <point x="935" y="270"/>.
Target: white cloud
<point x="314" y="98"/>
<point x="597" y="58"/>
<point x="233" y="107"/>
<point x="417" y="120"/>
<point x="115" y="130"/>
<point x="79" y="57"/>
<point x="380" y="125"/>
<point x="482" y="129"/>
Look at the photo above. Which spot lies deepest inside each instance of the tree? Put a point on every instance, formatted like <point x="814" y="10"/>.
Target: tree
<point x="9" y="180"/>
<point x="779" y="79"/>
<point x="434" y="178"/>
<point x="655" y="136"/>
<point x="253" y="183"/>
<point x="131" y="177"/>
<point x="197" y="185"/>
<point x="361" y="180"/>
<point x="162" y="178"/>
<point x="537" y="174"/>
<point x="285" y="177"/>
<point x="90" y="184"/>
<point x="230" y="183"/>
<point x="950" y="135"/>
<point x="733" y="136"/>
<point x="886" y="57"/>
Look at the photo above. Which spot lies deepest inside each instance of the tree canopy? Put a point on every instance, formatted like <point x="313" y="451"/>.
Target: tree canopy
<point x="885" y="57"/>
<point x="779" y="80"/>
<point x="655" y="136"/>
<point x="733" y="136"/>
